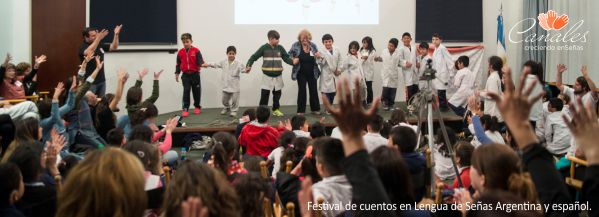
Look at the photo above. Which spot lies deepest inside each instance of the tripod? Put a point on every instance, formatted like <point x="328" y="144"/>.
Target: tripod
<point x="426" y="100"/>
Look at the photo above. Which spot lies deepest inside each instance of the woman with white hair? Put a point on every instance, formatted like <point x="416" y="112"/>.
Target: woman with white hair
<point x="305" y="71"/>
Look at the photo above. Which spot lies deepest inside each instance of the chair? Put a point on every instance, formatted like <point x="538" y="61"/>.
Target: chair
<point x="288" y="166"/>
<point x="167" y="174"/>
<point x="318" y="212"/>
<point x="572" y="181"/>
<point x="290" y="209"/>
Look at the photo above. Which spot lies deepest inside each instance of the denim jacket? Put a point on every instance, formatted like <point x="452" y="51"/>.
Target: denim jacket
<point x="295" y="50"/>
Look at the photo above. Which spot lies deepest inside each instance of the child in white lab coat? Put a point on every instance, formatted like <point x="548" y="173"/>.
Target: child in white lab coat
<point x="330" y="63"/>
<point x="464" y="81"/>
<point x="231" y="69"/>
<point x="421" y="59"/>
<point x="389" y="73"/>
<point x="443" y="64"/>
<point x="368" y="52"/>
<point x="353" y="67"/>
<point x="406" y="61"/>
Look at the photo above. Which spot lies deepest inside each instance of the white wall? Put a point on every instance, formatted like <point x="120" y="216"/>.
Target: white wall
<point x="15" y="25"/>
<point x="213" y="29"/>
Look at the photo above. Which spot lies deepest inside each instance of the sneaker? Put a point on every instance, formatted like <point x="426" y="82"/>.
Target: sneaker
<point x="233" y="114"/>
<point x="185" y="113"/>
<point x="316" y="112"/>
<point x="277" y="113"/>
<point x="197" y="111"/>
<point x="224" y="111"/>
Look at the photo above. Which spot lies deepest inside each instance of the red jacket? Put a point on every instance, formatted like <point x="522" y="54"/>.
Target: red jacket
<point x="259" y="140"/>
<point x="465" y="176"/>
<point x="189" y="61"/>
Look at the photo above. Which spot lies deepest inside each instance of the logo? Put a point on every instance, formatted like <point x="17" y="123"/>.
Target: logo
<point x="559" y="36"/>
<point x="550" y="20"/>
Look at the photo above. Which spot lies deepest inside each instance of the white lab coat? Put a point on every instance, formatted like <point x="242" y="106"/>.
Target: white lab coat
<point x="536" y="111"/>
<point x="368" y="64"/>
<point x="422" y="84"/>
<point x="353" y="69"/>
<point x="443" y="64"/>
<point x="493" y="85"/>
<point x="410" y="75"/>
<point x="390" y="69"/>
<point x="230" y="74"/>
<point x="329" y="63"/>
<point x="464" y="81"/>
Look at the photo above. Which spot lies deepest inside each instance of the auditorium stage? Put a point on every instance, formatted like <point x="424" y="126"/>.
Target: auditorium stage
<point x="210" y="120"/>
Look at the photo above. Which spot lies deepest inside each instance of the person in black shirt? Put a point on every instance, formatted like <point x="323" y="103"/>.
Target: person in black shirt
<point x="91" y="45"/>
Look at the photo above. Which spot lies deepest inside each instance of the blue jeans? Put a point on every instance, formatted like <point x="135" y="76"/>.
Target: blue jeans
<point x="99" y="89"/>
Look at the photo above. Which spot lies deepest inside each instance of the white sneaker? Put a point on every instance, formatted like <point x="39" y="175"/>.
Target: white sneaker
<point x="224" y="111"/>
<point x="233" y="114"/>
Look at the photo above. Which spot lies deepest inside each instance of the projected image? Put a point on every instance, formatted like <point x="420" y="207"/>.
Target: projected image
<point x="365" y="12"/>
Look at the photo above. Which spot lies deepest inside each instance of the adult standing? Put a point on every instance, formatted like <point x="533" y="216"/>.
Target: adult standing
<point x="91" y="46"/>
<point x="305" y="71"/>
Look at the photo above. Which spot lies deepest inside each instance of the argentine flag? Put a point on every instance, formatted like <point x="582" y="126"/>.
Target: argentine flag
<point x="501" y="52"/>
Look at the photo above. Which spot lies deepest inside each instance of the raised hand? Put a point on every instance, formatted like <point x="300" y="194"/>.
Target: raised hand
<point x="350" y="116"/>
<point x="99" y="63"/>
<point x="561" y="68"/>
<point x="58" y="90"/>
<point x="157" y="74"/>
<point x="73" y="83"/>
<point x="102" y="34"/>
<point x="171" y="124"/>
<point x="584" y="127"/>
<point x="7" y="59"/>
<point x="585" y="71"/>
<point x="474" y="105"/>
<point x="286" y="125"/>
<point x="117" y="29"/>
<point x="142" y="73"/>
<point x="193" y="207"/>
<point x="39" y="60"/>
<point x="123" y="75"/>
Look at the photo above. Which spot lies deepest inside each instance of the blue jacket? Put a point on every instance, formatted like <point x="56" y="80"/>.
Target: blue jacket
<point x="295" y="50"/>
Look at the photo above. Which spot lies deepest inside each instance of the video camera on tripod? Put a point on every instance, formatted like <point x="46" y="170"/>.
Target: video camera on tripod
<point x="429" y="72"/>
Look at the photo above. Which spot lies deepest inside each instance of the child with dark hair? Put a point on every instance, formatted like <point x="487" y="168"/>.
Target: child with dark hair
<point x="421" y="60"/>
<point x="464" y="81"/>
<point x="443" y="64"/>
<point x="352" y="65"/>
<point x="493" y="85"/>
<point x="399" y="118"/>
<point x="134" y="97"/>
<point x="390" y="73"/>
<point x="146" y="134"/>
<point x="26" y="131"/>
<point x="231" y="71"/>
<point x="288" y="184"/>
<point x="368" y="53"/>
<point x="115" y="137"/>
<point x="557" y="135"/>
<point x="12" y="189"/>
<point x="300" y="126"/>
<point x="484" y="127"/>
<point x="373" y="138"/>
<point x="225" y="153"/>
<point x="189" y="60"/>
<point x="317" y="130"/>
<point x="40" y="196"/>
<point x="258" y="137"/>
<point x="394" y="174"/>
<point x="275" y="156"/>
<point x="330" y="63"/>
<point x="404" y="138"/>
<point x="251" y="188"/>
<point x="247" y="116"/>
<point x="334" y="187"/>
<point x="443" y="164"/>
<point x="28" y="75"/>
<point x="272" y="69"/>
<point x="406" y="62"/>
<point x="463" y="152"/>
